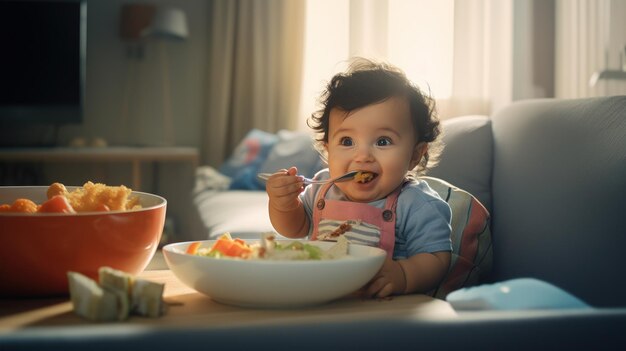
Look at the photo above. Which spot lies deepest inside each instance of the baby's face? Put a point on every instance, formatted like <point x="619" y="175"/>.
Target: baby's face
<point x="377" y="138"/>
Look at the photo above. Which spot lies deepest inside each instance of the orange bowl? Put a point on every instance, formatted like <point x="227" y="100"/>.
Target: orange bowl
<point x="37" y="250"/>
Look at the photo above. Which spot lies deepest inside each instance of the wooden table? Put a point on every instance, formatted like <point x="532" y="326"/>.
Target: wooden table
<point x="186" y="307"/>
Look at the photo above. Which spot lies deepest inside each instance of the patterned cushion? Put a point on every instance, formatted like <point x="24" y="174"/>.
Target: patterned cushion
<point x="471" y="238"/>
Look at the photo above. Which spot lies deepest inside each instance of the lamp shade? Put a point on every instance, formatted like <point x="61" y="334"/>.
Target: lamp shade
<point x="168" y="23"/>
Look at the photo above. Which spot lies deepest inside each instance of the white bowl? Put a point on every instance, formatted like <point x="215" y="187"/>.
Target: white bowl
<point x="274" y="284"/>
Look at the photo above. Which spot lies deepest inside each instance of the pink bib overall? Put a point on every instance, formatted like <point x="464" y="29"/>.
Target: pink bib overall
<point x="385" y="219"/>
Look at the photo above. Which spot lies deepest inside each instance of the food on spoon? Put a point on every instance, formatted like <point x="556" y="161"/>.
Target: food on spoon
<point x="268" y="249"/>
<point x="118" y="295"/>
<point x="364" y="177"/>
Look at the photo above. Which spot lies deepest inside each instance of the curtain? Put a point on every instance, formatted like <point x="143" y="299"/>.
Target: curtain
<point x="254" y="71"/>
<point x="482" y="58"/>
<point x="476" y="72"/>
<point x="591" y="37"/>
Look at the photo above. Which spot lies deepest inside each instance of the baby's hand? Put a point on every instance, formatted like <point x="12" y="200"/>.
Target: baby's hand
<point x="283" y="188"/>
<point x="389" y="280"/>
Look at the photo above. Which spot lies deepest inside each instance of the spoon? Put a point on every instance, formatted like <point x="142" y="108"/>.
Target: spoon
<point x="348" y="176"/>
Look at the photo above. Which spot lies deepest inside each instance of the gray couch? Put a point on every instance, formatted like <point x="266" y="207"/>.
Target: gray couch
<point x="553" y="175"/>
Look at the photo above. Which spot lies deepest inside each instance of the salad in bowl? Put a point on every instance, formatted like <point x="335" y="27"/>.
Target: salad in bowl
<point x="268" y="248"/>
<point x="272" y="272"/>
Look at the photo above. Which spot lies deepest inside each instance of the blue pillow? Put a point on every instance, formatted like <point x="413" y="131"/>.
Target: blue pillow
<point x="243" y="165"/>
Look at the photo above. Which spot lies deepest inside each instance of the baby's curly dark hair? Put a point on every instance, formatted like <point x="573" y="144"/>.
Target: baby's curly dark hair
<point x="367" y="82"/>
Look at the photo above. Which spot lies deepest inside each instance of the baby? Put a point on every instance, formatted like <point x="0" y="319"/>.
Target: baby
<point x="373" y="120"/>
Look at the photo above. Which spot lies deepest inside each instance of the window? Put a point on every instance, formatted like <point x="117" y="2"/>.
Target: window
<point x="415" y="35"/>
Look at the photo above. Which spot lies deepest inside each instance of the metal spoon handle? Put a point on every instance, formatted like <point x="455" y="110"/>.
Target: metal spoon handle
<point x="307" y="181"/>
<point x="348" y="176"/>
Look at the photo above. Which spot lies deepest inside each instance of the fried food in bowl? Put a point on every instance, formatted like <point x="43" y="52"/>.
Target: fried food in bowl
<point x="38" y="247"/>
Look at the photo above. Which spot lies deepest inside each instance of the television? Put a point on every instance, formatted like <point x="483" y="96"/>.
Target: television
<point x="42" y="67"/>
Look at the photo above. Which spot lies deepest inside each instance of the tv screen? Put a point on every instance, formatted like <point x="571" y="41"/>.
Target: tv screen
<point x="42" y="65"/>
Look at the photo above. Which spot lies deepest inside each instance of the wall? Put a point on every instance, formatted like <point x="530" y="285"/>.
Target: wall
<point x="122" y="90"/>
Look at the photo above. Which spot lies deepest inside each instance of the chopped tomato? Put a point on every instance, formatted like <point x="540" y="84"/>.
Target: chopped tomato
<point x="57" y="204"/>
<point x="193" y="248"/>
<point x="231" y="247"/>
<point x="238" y="249"/>
<point x="222" y="245"/>
<point x="225" y="245"/>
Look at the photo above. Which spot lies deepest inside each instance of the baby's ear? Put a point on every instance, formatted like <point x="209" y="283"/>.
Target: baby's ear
<point x="418" y="153"/>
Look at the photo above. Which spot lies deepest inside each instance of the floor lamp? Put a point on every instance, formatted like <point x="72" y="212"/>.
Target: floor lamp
<point x="168" y="25"/>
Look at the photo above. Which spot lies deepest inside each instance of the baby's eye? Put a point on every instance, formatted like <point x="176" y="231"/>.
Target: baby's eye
<point x="345" y="141"/>
<point x="384" y="141"/>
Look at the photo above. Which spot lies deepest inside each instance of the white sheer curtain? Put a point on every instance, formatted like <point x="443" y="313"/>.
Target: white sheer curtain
<point x="254" y="71"/>
<point x="591" y="37"/>
<point x="459" y="50"/>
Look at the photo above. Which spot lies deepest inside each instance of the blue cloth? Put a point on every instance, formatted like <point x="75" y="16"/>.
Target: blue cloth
<point x="422" y="217"/>
<point x="515" y="294"/>
<point x="243" y="165"/>
<point x="261" y="151"/>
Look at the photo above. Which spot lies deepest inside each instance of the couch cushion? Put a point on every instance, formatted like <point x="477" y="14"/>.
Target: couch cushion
<point x="243" y="213"/>
<point x="466" y="160"/>
<point x="559" y="189"/>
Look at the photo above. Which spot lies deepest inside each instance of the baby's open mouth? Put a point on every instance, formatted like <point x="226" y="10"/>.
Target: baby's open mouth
<point x="364" y="177"/>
